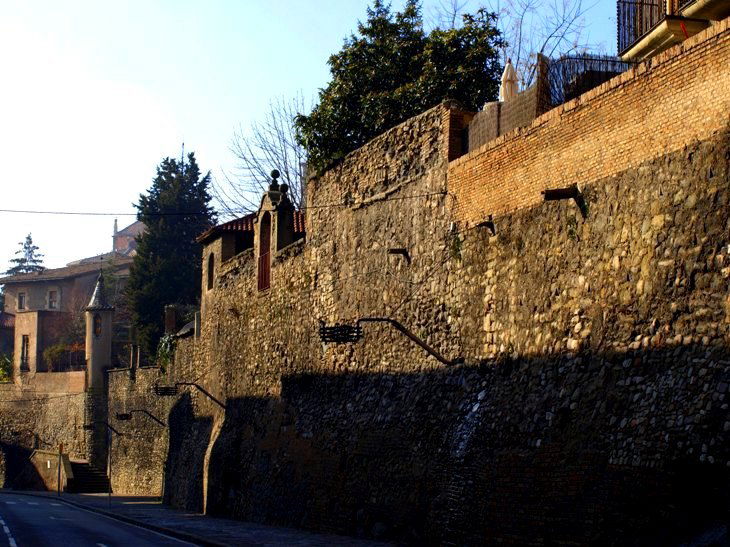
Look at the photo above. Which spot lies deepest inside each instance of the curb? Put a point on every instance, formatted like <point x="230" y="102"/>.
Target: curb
<point x="185" y="536"/>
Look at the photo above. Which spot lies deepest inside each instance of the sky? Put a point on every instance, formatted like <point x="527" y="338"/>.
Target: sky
<point x="94" y="93"/>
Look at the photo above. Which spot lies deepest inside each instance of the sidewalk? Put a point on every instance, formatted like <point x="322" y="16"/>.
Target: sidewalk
<point x="148" y="512"/>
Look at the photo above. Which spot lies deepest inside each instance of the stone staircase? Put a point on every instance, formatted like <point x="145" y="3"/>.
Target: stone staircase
<point x="87" y="479"/>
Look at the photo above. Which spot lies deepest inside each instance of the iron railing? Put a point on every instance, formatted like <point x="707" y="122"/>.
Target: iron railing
<point x="635" y="18"/>
<point x="571" y="76"/>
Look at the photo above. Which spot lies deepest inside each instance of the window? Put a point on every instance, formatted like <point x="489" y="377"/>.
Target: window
<point x="24" y="352"/>
<point x="97" y="325"/>
<point x="211" y="270"/>
<point x="21" y="300"/>
<point x="52" y="300"/>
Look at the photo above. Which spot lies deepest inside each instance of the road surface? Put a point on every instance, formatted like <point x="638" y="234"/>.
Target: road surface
<point x="27" y="521"/>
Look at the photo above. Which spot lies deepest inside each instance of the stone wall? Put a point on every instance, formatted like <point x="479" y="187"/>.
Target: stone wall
<point x="33" y="418"/>
<point x="138" y="458"/>
<point x="592" y="403"/>
<point x="649" y="111"/>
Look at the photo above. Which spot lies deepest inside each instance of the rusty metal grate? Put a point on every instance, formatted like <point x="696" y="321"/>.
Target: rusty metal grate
<point x="165" y="391"/>
<point x="340" y="334"/>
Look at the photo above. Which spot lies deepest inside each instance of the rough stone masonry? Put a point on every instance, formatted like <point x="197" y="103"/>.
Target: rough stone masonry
<point x="592" y="405"/>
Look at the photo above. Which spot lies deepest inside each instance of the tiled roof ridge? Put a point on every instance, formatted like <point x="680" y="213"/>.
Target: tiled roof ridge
<point x="63" y="272"/>
<point x="246" y="224"/>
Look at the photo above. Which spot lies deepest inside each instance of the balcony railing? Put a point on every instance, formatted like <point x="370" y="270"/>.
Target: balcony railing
<point x="637" y="17"/>
<point x="573" y="75"/>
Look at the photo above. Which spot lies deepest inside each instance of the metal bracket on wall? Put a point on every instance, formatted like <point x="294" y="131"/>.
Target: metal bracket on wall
<point x="126" y="416"/>
<point x="171" y="391"/>
<point x="203" y="391"/>
<point x="89" y="427"/>
<point x="347" y="334"/>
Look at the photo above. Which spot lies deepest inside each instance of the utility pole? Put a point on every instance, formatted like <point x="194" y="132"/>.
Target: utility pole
<point x="60" y="460"/>
<point x="109" y="464"/>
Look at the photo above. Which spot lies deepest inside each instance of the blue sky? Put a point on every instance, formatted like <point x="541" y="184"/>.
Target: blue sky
<point x="95" y="93"/>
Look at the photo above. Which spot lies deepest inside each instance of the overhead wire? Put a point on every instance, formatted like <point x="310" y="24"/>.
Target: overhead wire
<point x="195" y="213"/>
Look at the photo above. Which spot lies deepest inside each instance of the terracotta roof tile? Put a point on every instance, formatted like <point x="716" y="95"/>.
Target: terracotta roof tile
<point x="246" y="224"/>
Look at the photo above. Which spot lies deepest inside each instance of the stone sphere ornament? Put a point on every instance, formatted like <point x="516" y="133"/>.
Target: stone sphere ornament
<point x="274" y="186"/>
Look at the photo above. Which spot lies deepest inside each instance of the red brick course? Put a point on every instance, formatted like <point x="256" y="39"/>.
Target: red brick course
<point x="658" y="107"/>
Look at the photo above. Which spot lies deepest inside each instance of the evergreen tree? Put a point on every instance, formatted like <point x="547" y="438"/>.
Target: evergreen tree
<point x="28" y="259"/>
<point x="391" y="71"/>
<point x="167" y="267"/>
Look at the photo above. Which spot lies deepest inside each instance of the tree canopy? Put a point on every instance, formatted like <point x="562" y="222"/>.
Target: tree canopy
<point x="167" y="267"/>
<point x="27" y="258"/>
<point x="392" y="70"/>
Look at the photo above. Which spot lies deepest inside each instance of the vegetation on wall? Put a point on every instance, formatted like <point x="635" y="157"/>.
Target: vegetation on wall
<point x="6" y="367"/>
<point x="392" y="70"/>
<point x="27" y="258"/>
<point x="165" y="351"/>
<point x="167" y="269"/>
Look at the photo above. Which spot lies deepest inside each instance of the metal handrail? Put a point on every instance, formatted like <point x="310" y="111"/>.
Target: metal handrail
<point x="415" y="339"/>
<point x="203" y="391"/>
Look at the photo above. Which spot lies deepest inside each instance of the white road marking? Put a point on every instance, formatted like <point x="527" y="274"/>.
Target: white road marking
<point x="10" y="502"/>
<point x="32" y="502"/>
<point x="173" y="538"/>
<point x="100" y="545"/>
<point x="56" y="504"/>
<point x="11" y="540"/>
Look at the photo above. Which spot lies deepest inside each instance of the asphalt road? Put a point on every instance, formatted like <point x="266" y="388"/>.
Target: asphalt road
<point x="27" y="521"/>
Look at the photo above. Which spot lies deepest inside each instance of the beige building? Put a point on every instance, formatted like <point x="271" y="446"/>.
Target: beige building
<point x="46" y="305"/>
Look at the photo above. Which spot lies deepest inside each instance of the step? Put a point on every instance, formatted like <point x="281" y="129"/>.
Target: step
<point x="87" y="479"/>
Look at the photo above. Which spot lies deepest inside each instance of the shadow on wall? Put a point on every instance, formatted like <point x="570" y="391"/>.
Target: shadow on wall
<point x="606" y="448"/>
<point x="16" y="471"/>
<point x="189" y="437"/>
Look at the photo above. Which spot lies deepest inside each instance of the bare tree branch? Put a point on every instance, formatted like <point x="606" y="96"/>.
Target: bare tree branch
<point x="529" y="27"/>
<point x="267" y="144"/>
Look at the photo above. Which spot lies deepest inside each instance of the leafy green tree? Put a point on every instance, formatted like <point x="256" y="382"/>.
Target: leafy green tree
<point x="392" y="70"/>
<point x="6" y="367"/>
<point x="167" y="267"/>
<point x="27" y="258"/>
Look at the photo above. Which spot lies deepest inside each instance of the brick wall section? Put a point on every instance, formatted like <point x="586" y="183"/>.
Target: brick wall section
<point x="498" y="118"/>
<point x="653" y="109"/>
